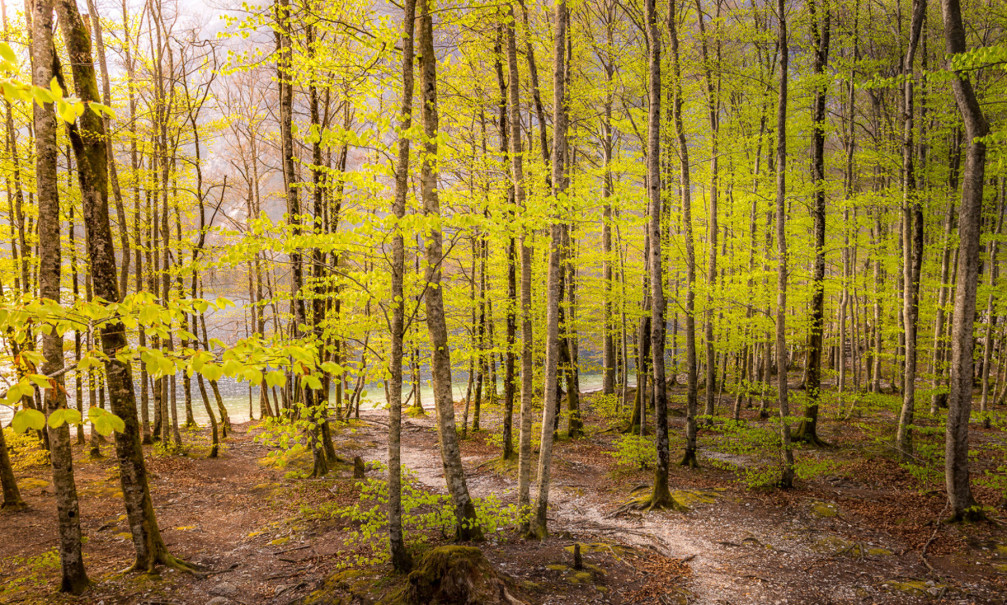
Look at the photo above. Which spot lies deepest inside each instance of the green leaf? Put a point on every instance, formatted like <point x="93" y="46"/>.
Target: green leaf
<point x="64" y="415"/>
<point x="312" y="382"/>
<point x="275" y="378"/>
<point x="7" y="54"/>
<point x="28" y="419"/>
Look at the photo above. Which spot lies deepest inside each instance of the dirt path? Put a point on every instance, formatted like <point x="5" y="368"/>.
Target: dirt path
<point x="741" y="550"/>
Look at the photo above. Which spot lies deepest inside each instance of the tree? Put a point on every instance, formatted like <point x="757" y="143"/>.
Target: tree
<point x="557" y="232"/>
<point x="956" y="449"/>
<point x="787" y="477"/>
<point x="467" y="527"/>
<point x="401" y="560"/>
<point x="821" y="30"/>
<point x="912" y="239"/>
<point x="685" y="187"/>
<point x="92" y="175"/>
<point x="74" y="577"/>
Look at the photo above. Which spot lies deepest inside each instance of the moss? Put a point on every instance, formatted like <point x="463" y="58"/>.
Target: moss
<point x="836" y="545"/>
<point x="280" y="541"/>
<point x="557" y="567"/>
<point x="690" y="498"/>
<point x="185" y="528"/>
<point x="879" y="552"/>
<point x="824" y="510"/>
<point x="603" y="547"/>
<point x="359" y="583"/>
<point x="453" y="574"/>
<point x="580" y="577"/>
<point x="32" y="483"/>
<point x="124" y="535"/>
<point x="916" y="588"/>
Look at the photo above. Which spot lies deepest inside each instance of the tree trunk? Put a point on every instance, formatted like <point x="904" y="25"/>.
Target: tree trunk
<point x="685" y="187"/>
<point x="808" y="430"/>
<point x="401" y="560"/>
<point x="557" y="232"/>
<point x="787" y="477"/>
<point x="92" y="171"/>
<point x="912" y="239"/>
<point x="454" y="474"/>
<point x="956" y="449"/>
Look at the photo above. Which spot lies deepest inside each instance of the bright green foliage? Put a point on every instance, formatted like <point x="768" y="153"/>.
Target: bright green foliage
<point x="424" y="514"/>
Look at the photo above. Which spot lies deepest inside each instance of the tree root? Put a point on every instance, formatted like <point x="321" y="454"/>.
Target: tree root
<point x="652" y="502"/>
<point x="168" y="560"/>
<point x="689" y="459"/>
<point x="808" y="436"/>
<point x="14" y="507"/>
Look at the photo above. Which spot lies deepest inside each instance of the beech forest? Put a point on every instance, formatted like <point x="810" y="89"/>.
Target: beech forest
<point x="503" y="302"/>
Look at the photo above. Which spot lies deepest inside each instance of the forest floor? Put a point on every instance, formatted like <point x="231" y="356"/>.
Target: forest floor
<point x="859" y="527"/>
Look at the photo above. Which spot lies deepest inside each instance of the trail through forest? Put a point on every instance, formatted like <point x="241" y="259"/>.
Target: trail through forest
<point x="740" y="549"/>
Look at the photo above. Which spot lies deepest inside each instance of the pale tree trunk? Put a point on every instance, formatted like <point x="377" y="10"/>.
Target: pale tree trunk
<point x="787" y="477"/>
<point x="454" y="474"/>
<point x="120" y="210"/>
<point x="992" y="270"/>
<point x="956" y="466"/>
<point x="940" y="342"/>
<point x="527" y="342"/>
<point x="74" y="577"/>
<point x="608" y="346"/>
<point x="286" y="109"/>
<point x="821" y="30"/>
<point x="92" y="172"/>
<point x="713" y="103"/>
<point x="661" y="496"/>
<point x="912" y="239"/>
<point x="401" y="561"/>
<point x="692" y="404"/>
<point x="557" y="232"/>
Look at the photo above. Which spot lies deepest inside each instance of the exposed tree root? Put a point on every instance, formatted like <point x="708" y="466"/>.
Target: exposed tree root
<point x="14" y="507"/>
<point x="651" y="502"/>
<point x="806" y="434"/>
<point x="168" y="560"/>
<point x="689" y="459"/>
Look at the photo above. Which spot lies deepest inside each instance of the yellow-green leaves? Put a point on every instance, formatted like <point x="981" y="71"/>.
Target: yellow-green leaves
<point x="28" y="419"/>
<point x="64" y="416"/>
<point x="105" y="423"/>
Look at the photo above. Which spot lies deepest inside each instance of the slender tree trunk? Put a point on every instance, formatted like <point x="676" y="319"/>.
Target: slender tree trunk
<point x="956" y="470"/>
<point x="661" y="496"/>
<point x="821" y="28"/>
<point x="692" y="404"/>
<point x="912" y="240"/>
<point x="401" y="560"/>
<point x="91" y="157"/>
<point x="787" y="478"/>
<point x="557" y="233"/>
<point x="454" y="473"/>
<point x="74" y="577"/>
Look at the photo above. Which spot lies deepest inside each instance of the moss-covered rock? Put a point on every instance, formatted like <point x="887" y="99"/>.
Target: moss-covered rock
<point x="456" y="575"/>
<point x="916" y="588"/>
<point x="824" y="510"/>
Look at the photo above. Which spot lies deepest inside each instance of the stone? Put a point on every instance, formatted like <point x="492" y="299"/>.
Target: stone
<point x="224" y="589"/>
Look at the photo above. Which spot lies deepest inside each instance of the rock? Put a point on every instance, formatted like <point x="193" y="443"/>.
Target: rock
<point x="224" y="589"/>
<point x="454" y="575"/>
